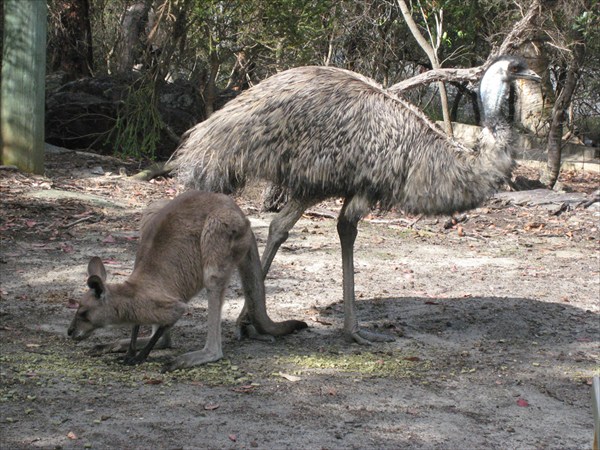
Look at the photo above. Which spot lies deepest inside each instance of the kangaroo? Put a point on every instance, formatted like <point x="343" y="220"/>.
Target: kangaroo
<point x="193" y="242"/>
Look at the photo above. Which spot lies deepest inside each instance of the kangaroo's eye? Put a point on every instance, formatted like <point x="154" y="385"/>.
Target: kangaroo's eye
<point x="83" y="315"/>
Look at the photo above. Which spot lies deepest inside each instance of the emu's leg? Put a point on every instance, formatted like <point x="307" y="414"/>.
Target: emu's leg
<point x="347" y="232"/>
<point x="122" y="345"/>
<point x="215" y="279"/>
<point x="279" y="230"/>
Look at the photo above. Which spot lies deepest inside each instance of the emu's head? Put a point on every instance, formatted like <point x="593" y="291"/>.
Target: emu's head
<point x="495" y="83"/>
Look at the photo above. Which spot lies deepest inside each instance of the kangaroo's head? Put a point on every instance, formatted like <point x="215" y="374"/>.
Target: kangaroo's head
<point x="93" y="310"/>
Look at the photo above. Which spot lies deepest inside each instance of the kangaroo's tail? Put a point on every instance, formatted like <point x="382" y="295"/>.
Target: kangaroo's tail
<point x="254" y="291"/>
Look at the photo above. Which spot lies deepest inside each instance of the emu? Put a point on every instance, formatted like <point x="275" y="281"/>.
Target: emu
<point x="324" y="132"/>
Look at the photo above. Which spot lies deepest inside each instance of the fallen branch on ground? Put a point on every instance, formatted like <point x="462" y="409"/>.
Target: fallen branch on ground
<point x="154" y="171"/>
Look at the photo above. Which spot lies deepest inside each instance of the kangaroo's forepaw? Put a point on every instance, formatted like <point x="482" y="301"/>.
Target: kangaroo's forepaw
<point x="132" y="360"/>
<point x="366" y="337"/>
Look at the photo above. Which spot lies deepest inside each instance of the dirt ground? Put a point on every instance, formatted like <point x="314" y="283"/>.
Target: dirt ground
<point x="496" y="320"/>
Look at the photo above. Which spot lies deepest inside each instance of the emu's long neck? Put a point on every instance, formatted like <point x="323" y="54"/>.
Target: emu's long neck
<point x="494" y="93"/>
<point x="453" y="180"/>
<point x="495" y="141"/>
<point x="496" y="137"/>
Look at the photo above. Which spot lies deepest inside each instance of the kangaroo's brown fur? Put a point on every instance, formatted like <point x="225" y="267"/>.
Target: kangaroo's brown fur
<point x="193" y="242"/>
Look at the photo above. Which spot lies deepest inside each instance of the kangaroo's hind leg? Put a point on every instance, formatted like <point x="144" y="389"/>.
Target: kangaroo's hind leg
<point x="223" y="243"/>
<point x="212" y="350"/>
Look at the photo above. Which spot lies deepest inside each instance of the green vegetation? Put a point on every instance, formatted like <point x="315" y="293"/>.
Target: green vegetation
<point x="137" y="130"/>
<point x="363" y="364"/>
<point x="78" y="369"/>
<point x="222" y="47"/>
<point x="74" y="370"/>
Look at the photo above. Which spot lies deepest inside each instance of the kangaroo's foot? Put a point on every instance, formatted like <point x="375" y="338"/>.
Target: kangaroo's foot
<point x="193" y="359"/>
<point x="366" y="337"/>
<point x="247" y="330"/>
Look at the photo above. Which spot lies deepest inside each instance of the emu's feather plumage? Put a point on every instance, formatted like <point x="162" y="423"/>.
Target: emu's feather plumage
<point x="325" y="132"/>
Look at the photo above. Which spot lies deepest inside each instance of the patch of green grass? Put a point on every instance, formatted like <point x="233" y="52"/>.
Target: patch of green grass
<point x="76" y="369"/>
<point x="364" y="363"/>
<point x="580" y="374"/>
<point x="406" y="233"/>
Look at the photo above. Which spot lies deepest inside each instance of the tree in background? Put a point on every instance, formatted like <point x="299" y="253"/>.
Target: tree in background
<point x="430" y="47"/>
<point x="224" y="46"/>
<point x="570" y="46"/>
<point x="70" y="39"/>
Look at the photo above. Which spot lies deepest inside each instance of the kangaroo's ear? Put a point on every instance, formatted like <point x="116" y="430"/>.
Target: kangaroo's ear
<point x="95" y="267"/>
<point x="95" y="283"/>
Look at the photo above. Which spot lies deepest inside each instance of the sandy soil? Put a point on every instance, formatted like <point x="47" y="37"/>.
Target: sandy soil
<point x="496" y="321"/>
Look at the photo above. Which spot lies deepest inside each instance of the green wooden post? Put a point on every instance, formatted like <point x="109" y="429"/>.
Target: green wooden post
<point x="23" y="85"/>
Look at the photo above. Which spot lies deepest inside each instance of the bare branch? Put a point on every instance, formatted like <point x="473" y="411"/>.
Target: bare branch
<point x="414" y="29"/>
<point x="471" y="75"/>
<point x="511" y="41"/>
<point x="515" y="37"/>
<point x="430" y="48"/>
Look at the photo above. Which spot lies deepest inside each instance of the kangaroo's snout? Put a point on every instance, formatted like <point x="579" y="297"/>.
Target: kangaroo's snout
<point x="78" y="334"/>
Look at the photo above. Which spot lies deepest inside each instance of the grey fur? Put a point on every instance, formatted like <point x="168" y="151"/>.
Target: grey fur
<point x="327" y="132"/>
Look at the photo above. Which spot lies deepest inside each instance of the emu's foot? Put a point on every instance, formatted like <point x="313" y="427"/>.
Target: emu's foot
<point x="366" y="337"/>
<point x="247" y="330"/>
<point x="192" y="359"/>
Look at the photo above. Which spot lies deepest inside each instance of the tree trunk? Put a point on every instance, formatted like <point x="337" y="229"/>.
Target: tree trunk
<point x="23" y="72"/>
<point x="460" y="92"/>
<point x="445" y="109"/>
<point x="238" y="79"/>
<point x="2" y="37"/>
<point x="210" y="89"/>
<point x="559" y="113"/>
<point x="534" y="100"/>
<point x="70" y="49"/>
<point x="132" y="39"/>
<point x="431" y="54"/>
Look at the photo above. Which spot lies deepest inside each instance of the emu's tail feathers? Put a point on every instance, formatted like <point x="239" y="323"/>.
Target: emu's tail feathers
<point x="209" y="158"/>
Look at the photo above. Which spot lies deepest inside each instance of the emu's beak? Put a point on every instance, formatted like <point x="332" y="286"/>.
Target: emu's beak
<point x="528" y="74"/>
